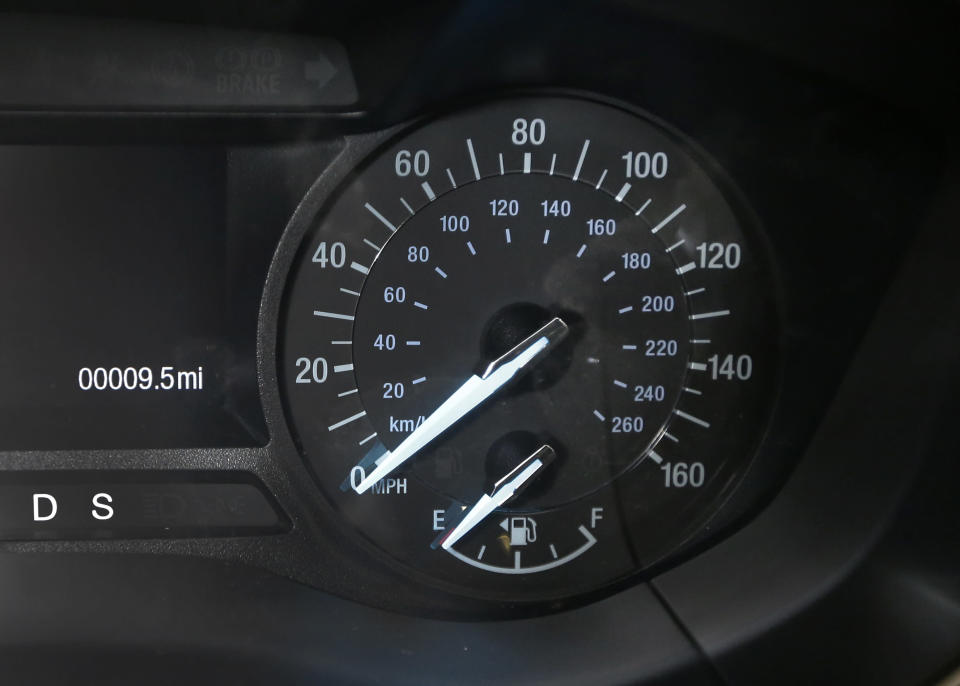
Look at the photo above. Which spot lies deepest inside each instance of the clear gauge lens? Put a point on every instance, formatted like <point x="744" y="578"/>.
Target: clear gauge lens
<point x="529" y="349"/>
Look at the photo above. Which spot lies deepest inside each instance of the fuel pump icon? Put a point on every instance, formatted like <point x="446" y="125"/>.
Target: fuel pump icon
<point x="522" y="530"/>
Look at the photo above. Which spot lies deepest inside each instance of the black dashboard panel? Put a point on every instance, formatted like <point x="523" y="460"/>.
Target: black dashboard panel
<point x="163" y="168"/>
<point x="116" y="228"/>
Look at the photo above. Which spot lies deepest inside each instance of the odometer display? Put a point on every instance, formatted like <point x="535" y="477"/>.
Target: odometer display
<point x="529" y="348"/>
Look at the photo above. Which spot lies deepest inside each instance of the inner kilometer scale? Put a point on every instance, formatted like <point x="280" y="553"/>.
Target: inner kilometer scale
<point x="528" y="348"/>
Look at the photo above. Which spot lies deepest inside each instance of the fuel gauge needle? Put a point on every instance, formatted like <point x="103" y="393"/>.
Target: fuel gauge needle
<point x="462" y="401"/>
<point x="505" y="490"/>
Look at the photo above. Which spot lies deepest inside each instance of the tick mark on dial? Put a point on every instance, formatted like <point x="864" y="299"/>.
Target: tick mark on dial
<point x="333" y="315"/>
<point x="583" y="155"/>
<point x="710" y="315"/>
<point x="376" y="213"/>
<point x="344" y="422"/>
<point x="669" y="218"/>
<point x="623" y="192"/>
<point x="602" y="177"/>
<point x="473" y="160"/>
<point x="691" y="418"/>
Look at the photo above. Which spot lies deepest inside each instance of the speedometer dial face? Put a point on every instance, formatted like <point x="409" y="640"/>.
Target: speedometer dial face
<point x="529" y="349"/>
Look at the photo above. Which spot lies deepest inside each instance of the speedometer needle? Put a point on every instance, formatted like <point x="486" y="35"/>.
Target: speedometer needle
<point x="472" y="393"/>
<point x="505" y="490"/>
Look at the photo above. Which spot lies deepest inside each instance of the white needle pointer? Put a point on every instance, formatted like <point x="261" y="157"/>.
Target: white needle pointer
<point x="472" y="393"/>
<point x="505" y="490"/>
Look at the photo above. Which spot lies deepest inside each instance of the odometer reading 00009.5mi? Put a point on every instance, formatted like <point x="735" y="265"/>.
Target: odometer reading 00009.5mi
<point x="132" y="378"/>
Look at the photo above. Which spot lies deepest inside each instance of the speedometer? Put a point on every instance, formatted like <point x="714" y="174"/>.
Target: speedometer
<point x="529" y="348"/>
